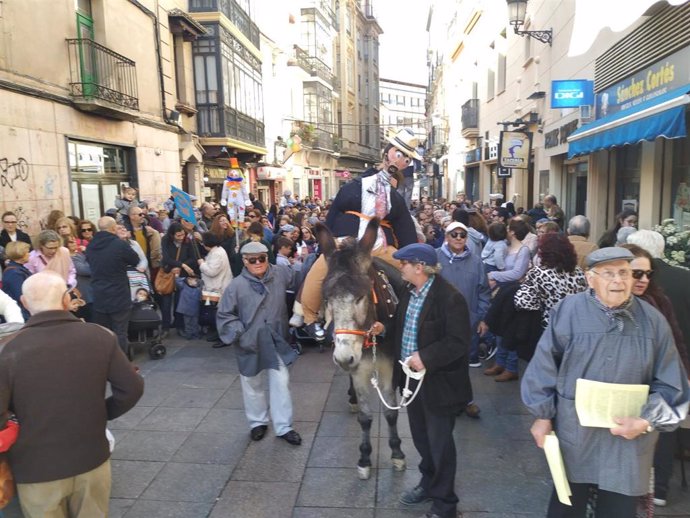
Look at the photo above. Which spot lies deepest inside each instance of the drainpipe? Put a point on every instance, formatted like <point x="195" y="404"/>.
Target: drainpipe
<point x="159" y="60"/>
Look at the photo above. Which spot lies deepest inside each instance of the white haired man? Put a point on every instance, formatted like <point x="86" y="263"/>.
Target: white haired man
<point x="53" y="377"/>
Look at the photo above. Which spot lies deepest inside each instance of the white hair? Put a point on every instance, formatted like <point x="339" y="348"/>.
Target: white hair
<point x="43" y="291"/>
<point x="649" y="240"/>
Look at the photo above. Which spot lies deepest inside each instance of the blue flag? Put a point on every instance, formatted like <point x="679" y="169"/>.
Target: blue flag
<point x="183" y="204"/>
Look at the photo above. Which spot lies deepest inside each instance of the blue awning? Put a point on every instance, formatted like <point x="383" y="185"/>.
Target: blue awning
<point x="663" y="116"/>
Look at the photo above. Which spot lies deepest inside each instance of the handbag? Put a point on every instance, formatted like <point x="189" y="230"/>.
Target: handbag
<point x="8" y="488"/>
<point x="165" y="281"/>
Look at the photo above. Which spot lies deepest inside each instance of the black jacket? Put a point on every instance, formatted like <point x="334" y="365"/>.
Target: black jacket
<point x="675" y="283"/>
<point x="349" y="198"/>
<point x="443" y="339"/>
<point x="21" y="236"/>
<point x="109" y="258"/>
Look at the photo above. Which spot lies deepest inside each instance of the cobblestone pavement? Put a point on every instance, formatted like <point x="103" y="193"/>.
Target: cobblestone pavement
<point x="184" y="450"/>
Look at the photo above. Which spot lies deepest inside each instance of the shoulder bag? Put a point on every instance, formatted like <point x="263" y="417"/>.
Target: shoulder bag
<point x="165" y="281"/>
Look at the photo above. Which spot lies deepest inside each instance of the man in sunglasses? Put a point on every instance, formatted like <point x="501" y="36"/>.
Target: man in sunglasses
<point x="11" y="232"/>
<point x="253" y="316"/>
<point x="605" y="334"/>
<point x="465" y="271"/>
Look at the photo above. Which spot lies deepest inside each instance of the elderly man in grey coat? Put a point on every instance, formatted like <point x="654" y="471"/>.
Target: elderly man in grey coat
<point x="252" y="314"/>
<point x="605" y="335"/>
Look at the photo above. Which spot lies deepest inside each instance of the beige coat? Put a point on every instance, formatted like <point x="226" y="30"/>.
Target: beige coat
<point x="215" y="270"/>
<point x="582" y="248"/>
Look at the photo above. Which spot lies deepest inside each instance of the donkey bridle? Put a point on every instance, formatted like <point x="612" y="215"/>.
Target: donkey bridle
<point x="369" y="337"/>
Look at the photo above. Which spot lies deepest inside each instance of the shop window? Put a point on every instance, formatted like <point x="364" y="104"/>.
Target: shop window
<point x="628" y="171"/>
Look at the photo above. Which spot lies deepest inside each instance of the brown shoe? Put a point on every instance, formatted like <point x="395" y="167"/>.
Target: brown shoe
<point x="494" y="371"/>
<point x="506" y="376"/>
<point x="472" y="410"/>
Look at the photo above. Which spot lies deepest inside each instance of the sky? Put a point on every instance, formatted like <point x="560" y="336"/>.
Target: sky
<point x="403" y="44"/>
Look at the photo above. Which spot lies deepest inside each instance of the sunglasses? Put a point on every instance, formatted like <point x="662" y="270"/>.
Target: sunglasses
<point x="10" y="222"/>
<point x="253" y="260"/>
<point x="88" y="229"/>
<point x="637" y="274"/>
<point x="456" y="235"/>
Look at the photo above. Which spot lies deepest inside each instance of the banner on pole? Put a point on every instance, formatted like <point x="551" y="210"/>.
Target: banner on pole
<point x="515" y="149"/>
<point x="183" y="204"/>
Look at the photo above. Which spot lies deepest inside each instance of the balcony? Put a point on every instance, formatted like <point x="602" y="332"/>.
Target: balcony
<point x="233" y="12"/>
<point x="102" y="81"/>
<point x="367" y="8"/>
<point x="323" y="140"/>
<point x="470" y="119"/>
<point x="311" y="65"/>
<point x="219" y="121"/>
<point x="322" y="7"/>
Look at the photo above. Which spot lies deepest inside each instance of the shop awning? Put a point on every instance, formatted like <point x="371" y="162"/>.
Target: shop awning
<point x="663" y="116"/>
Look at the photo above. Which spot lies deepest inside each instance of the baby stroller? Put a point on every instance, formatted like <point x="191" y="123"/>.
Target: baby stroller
<point x="145" y="323"/>
<point x="145" y="328"/>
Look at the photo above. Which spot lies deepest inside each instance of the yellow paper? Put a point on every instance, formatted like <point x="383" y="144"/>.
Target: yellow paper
<point x="555" y="460"/>
<point x="598" y="403"/>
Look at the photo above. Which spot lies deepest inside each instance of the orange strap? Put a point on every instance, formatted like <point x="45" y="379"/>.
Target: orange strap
<point x="384" y="223"/>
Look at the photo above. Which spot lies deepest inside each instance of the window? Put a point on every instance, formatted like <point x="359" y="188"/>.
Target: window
<point x="628" y="171"/>
<point x="490" y="84"/>
<point x="680" y="192"/>
<point x="501" y="82"/>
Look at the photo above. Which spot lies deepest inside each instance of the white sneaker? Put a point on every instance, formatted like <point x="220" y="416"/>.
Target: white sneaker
<point x="296" y="320"/>
<point x="660" y="502"/>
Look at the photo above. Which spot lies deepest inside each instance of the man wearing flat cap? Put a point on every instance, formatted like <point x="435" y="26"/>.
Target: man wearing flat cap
<point x="252" y="315"/>
<point x="432" y="332"/>
<point x="357" y="202"/>
<point x="605" y="335"/>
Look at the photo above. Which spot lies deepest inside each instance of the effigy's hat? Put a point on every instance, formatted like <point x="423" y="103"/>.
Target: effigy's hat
<point x="406" y="141"/>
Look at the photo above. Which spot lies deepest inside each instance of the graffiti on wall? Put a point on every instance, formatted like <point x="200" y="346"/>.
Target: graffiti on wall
<point x="23" y="220"/>
<point x="11" y="172"/>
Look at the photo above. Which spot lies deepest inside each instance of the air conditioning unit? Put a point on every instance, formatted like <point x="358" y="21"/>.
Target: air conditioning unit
<point x="586" y="114"/>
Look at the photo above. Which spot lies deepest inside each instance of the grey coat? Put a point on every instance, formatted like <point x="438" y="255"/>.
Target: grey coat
<point x="581" y="342"/>
<point x="253" y="315"/>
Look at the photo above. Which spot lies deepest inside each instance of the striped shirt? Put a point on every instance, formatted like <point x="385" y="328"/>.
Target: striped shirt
<point x="414" y="309"/>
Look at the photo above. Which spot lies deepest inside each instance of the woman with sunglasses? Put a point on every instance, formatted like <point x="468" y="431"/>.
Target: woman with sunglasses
<point x="645" y="288"/>
<point x="65" y="228"/>
<point x="85" y="231"/>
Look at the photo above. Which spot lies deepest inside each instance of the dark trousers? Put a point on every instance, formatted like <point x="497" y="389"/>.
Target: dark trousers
<point x="168" y="314"/>
<point x="608" y="504"/>
<point x="432" y="435"/>
<point x="117" y="322"/>
<point x="663" y="462"/>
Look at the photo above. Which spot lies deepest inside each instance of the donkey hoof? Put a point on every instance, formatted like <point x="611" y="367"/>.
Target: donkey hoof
<point x="364" y="473"/>
<point x="354" y="408"/>
<point x="399" y="464"/>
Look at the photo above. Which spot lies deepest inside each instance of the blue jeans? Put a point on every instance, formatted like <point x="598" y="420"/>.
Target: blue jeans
<point x="505" y="358"/>
<point x="474" y="348"/>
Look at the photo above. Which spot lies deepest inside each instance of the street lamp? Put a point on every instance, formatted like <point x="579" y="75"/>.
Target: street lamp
<point x="517" y="11"/>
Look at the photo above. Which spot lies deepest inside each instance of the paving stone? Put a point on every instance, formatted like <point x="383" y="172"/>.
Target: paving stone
<point x="173" y="419"/>
<point x="342" y="424"/>
<point x="119" y="506"/>
<point x="336" y="487"/>
<point x="130" y="419"/>
<point x="274" y="460"/>
<point x="308" y="400"/>
<point x="148" y="445"/>
<point x="224" y="421"/>
<point x="211" y="380"/>
<point x="248" y="499"/>
<point x="212" y="448"/>
<point x="132" y="477"/>
<point x="183" y="482"/>
<point x="390" y="484"/>
<point x="168" y="509"/>
<point x="338" y="452"/>
<point x="187" y="397"/>
<point x="313" y="367"/>
<point x="322" y="512"/>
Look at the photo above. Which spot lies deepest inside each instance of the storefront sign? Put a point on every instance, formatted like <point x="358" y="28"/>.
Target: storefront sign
<point x="343" y="174"/>
<point x="572" y="93"/>
<point x="314" y="173"/>
<point x="515" y="149"/>
<point x="657" y="79"/>
<point x="560" y="135"/>
<point x="270" y="173"/>
<point x="504" y="172"/>
<point x="216" y="172"/>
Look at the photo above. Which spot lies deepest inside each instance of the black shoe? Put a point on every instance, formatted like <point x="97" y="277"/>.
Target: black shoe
<point x="219" y="345"/>
<point x="213" y="338"/>
<point x="258" y="432"/>
<point x="316" y="331"/>
<point x="413" y="496"/>
<point x="292" y="437"/>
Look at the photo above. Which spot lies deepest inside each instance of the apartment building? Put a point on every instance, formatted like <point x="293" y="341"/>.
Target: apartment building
<point x="86" y="108"/>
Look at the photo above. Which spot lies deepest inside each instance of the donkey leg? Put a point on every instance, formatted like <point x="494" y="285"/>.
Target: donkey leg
<point x="397" y="456"/>
<point x="359" y="380"/>
<point x="352" y="400"/>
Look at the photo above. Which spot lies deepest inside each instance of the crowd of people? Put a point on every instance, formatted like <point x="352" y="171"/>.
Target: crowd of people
<point x="486" y="281"/>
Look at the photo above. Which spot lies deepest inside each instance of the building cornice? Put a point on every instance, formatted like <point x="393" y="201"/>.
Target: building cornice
<point x="233" y="143"/>
<point x="216" y="17"/>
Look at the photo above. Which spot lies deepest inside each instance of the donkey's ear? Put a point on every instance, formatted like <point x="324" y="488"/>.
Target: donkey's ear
<point x="325" y="239"/>
<point x="366" y="244"/>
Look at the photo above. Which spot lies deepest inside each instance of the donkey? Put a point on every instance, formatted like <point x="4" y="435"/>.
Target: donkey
<point x="351" y="305"/>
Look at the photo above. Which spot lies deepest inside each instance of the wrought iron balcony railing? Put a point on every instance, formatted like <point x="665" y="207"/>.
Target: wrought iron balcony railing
<point x="470" y="118"/>
<point x="96" y="72"/>
<point x="313" y="65"/>
<point x="233" y="12"/>
<point x="219" y="121"/>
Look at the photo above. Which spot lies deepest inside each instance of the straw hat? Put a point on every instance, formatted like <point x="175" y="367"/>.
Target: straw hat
<point x="406" y="141"/>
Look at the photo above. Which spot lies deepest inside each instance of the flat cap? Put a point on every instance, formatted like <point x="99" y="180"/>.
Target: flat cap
<point x="417" y="253"/>
<point x="287" y="228"/>
<point x="254" y="247"/>
<point x="608" y="254"/>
